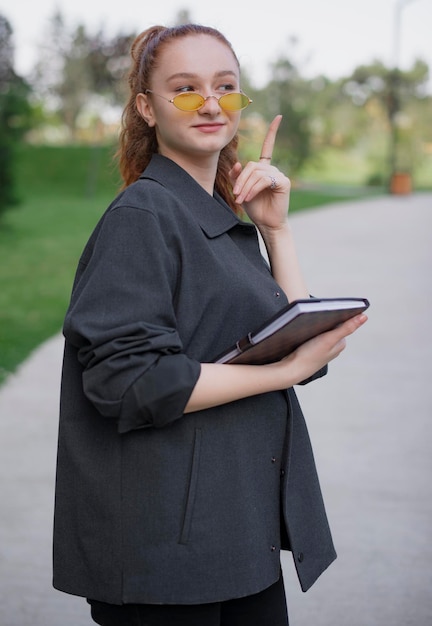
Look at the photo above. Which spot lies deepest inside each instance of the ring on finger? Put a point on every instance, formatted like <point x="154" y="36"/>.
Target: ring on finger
<point x="273" y="184"/>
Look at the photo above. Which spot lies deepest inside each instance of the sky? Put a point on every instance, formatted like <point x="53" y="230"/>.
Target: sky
<point x="333" y="36"/>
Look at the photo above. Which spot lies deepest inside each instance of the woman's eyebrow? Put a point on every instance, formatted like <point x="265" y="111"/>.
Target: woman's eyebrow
<point x="190" y="75"/>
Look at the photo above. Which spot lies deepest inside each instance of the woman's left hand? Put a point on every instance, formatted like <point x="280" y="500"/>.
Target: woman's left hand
<point x="261" y="188"/>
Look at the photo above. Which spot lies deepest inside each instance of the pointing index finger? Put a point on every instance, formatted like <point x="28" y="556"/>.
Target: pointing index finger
<point x="270" y="138"/>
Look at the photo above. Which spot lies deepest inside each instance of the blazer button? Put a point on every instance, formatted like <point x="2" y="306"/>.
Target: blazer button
<point x="277" y="294"/>
<point x="273" y="459"/>
<point x="282" y="472"/>
<point x="273" y="548"/>
<point x="300" y="557"/>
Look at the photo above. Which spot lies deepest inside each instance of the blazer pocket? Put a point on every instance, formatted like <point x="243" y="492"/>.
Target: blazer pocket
<point x="193" y="483"/>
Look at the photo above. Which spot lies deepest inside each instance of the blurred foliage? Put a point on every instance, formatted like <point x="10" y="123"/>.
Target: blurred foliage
<point x="78" y="72"/>
<point x="15" y="114"/>
<point x="380" y="116"/>
<point x="399" y="96"/>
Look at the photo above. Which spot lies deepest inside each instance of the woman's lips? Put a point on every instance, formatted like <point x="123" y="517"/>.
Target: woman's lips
<point x="209" y="128"/>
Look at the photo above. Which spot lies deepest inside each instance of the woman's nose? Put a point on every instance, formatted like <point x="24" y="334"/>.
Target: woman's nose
<point x="211" y="105"/>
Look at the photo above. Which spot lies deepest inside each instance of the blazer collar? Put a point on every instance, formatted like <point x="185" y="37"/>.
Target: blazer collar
<point x="211" y="212"/>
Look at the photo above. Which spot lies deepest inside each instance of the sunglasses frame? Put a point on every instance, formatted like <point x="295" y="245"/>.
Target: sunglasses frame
<point x="181" y="96"/>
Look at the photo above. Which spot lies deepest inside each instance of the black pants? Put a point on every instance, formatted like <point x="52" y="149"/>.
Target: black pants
<point x="267" y="608"/>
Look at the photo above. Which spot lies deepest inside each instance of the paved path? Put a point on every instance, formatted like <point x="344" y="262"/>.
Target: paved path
<point x="370" y="420"/>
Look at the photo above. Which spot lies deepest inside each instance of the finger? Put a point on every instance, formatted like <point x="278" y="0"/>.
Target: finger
<point x="354" y="323"/>
<point x="235" y="172"/>
<point x="252" y="182"/>
<point x="350" y="326"/>
<point x="269" y="139"/>
<point x="338" y="348"/>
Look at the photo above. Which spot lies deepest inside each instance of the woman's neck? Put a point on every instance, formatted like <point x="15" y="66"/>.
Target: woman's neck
<point x="202" y="168"/>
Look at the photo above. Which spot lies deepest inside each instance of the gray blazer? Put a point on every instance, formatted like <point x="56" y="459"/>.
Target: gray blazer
<point x="154" y="506"/>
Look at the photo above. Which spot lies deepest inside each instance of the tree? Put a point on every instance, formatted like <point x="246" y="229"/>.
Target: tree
<point x="289" y="94"/>
<point x="108" y="63"/>
<point x="78" y="72"/>
<point x="14" y="115"/>
<point x="394" y="91"/>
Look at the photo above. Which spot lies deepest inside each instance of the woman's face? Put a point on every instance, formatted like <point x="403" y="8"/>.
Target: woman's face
<point x="195" y="63"/>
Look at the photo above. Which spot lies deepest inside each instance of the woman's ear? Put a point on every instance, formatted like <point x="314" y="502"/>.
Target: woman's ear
<point x="144" y="108"/>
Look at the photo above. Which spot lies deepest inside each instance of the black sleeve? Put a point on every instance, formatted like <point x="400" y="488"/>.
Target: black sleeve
<point x="122" y="321"/>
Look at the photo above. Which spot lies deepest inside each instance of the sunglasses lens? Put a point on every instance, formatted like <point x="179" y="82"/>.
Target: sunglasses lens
<point x="234" y="101"/>
<point x="188" y="101"/>
<point x="191" y="101"/>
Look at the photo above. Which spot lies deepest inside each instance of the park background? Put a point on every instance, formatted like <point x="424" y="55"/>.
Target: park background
<point x="346" y="119"/>
<point x="367" y="132"/>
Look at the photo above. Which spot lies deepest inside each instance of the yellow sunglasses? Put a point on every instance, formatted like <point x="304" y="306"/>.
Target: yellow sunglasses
<point x="191" y="101"/>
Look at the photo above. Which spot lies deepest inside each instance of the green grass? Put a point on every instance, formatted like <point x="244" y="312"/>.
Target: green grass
<point x="306" y="197"/>
<point x="63" y="191"/>
<point x="39" y="247"/>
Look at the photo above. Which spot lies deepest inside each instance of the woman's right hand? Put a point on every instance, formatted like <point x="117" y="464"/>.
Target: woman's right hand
<point x="317" y="352"/>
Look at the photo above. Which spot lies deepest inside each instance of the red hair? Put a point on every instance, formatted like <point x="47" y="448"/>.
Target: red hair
<point x="137" y="141"/>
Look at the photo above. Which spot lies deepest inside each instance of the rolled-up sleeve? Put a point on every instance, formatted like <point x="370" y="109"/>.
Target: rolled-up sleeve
<point x="122" y="321"/>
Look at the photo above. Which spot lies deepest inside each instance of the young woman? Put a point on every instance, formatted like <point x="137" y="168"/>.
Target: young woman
<point x="180" y="480"/>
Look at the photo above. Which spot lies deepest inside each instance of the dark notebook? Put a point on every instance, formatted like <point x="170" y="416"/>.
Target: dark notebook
<point x="293" y="325"/>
